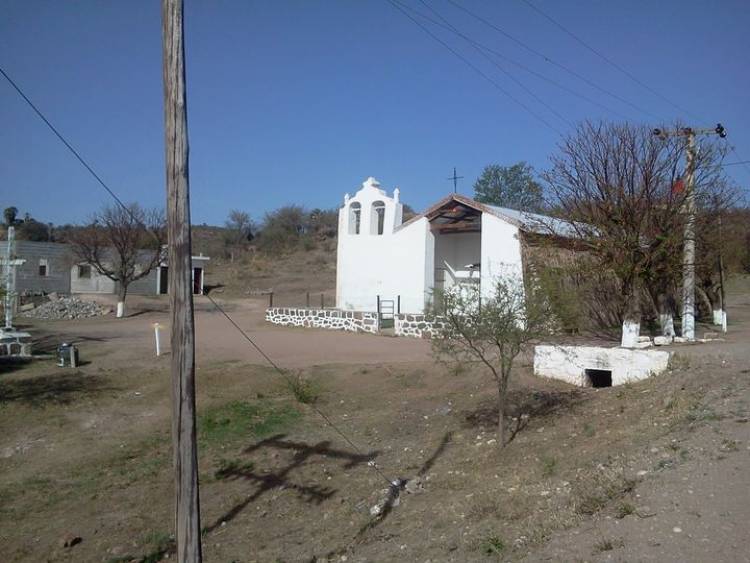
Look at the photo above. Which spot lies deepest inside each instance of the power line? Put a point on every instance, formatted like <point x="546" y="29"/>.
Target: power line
<point x="65" y="142"/>
<point x="627" y="73"/>
<point x="371" y="464"/>
<point x="523" y="67"/>
<point x="742" y="162"/>
<point x="552" y="61"/>
<point x="607" y="59"/>
<point x="286" y="377"/>
<point x="475" y="68"/>
<point x="495" y="63"/>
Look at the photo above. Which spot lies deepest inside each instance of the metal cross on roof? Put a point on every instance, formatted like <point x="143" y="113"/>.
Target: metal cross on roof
<point x="455" y="180"/>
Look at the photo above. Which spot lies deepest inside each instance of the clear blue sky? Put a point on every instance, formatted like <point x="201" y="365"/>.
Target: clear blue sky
<point x="299" y="101"/>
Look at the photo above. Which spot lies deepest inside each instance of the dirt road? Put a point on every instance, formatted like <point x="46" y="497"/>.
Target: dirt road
<point x="218" y="340"/>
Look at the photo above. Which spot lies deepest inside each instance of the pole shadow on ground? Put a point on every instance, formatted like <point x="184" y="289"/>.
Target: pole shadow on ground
<point x="265" y="482"/>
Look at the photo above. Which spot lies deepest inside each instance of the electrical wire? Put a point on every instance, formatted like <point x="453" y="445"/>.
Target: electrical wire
<point x="371" y="464"/>
<point x="64" y="141"/>
<point x="607" y="59"/>
<point x="454" y="30"/>
<point x="552" y="61"/>
<point x="520" y="84"/>
<point x="286" y="376"/>
<point x="476" y="69"/>
<point x="744" y="163"/>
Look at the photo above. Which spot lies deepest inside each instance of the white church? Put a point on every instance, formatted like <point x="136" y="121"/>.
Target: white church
<point x="458" y="240"/>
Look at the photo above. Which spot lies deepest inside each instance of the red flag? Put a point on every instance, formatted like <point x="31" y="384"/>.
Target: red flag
<point x="678" y="187"/>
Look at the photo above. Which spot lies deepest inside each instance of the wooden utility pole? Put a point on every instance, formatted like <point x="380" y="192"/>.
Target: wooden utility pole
<point x="688" y="252"/>
<point x="185" y="448"/>
<point x="688" y="249"/>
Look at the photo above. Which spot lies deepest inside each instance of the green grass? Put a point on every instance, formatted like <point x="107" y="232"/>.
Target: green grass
<point x="729" y="445"/>
<point x="588" y="429"/>
<point x="493" y="545"/>
<point x="240" y="420"/>
<point x="607" y="545"/>
<point x="549" y="466"/>
<point x="595" y="490"/>
<point x="304" y="390"/>
<point x="624" y="509"/>
<point x="229" y="467"/>
<point x="158" y="546"/>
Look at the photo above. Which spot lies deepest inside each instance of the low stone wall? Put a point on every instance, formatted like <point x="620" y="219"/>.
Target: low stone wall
<point x="419" y="326"/>
<point x="332" y="319"/>
<point x="571" y="363"/>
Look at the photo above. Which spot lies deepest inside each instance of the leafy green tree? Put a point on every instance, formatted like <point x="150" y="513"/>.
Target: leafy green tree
<point x="509" y="186"/>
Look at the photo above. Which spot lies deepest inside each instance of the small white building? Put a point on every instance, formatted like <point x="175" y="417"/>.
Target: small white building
<point x="456" y="241"/>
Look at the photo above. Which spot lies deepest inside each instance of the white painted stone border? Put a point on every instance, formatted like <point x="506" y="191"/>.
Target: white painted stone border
<point x="331" y="319"/>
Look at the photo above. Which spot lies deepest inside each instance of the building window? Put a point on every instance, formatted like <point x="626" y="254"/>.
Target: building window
<point x="43" y="268"/>
<point x="84" y="272"/>
<point x="377" y="218"/>
<point x="355" y="218"/>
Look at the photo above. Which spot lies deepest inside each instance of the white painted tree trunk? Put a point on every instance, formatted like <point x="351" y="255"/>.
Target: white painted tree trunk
<point x="723" y="321"/>
<point x="718" y="317"/>
<point x="630" y="332"/>
<point x="666" y="322"/>
<point x="120" y="309"/>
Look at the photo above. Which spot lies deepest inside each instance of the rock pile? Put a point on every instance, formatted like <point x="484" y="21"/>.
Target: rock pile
<point x="66" y="308"/>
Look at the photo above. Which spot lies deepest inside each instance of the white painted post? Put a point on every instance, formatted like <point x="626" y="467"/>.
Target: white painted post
<point x="717" y="317"/>
<point x="630" y="333"/>
<point x="688" y="260"/>
<point x="157" y="326"/>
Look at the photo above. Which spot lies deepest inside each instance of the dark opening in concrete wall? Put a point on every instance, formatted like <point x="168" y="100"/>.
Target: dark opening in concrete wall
<point x="599" y="377"/>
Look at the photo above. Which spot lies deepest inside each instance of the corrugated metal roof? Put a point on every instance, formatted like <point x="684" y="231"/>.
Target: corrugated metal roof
<point x="536" y="223"/>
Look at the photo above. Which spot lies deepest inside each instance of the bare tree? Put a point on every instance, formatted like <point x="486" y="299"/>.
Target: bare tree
<point x="240" y="227"/>
<point x="617" y="188"/>
<point x="492" y="332"/>
<point x="711" y="240"/>
<point x="123" y="244"/>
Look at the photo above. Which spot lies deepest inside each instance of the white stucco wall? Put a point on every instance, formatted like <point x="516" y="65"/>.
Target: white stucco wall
<point x="455" y="252"/>
<point x="388" y="265"/>
<point x="501" y="252"/>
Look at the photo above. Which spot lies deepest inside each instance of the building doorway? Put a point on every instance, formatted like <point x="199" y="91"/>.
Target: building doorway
<point x="163" y="280"/>
<point x="197" y="281"/>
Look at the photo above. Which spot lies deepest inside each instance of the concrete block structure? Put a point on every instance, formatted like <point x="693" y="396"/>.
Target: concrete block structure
<point x="52" y="267"/>
<point x="596" y="366"/>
